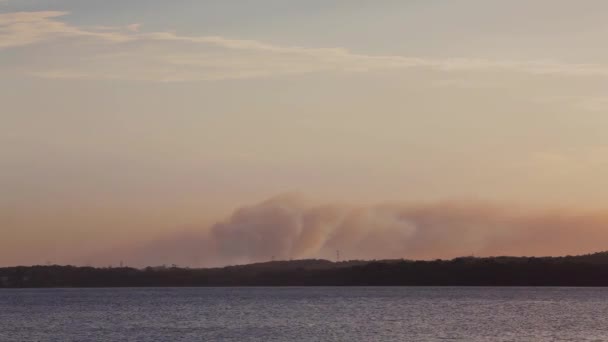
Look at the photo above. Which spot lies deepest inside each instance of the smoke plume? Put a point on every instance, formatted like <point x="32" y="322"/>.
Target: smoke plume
<point x="289" y="227"/>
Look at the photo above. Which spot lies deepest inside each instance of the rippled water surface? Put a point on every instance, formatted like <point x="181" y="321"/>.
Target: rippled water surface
<point x="305" y="314"/>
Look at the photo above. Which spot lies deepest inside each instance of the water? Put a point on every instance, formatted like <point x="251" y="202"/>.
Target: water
<point x="305" y="314"/>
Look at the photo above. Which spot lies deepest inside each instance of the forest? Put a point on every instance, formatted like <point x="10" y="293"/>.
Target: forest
<point x="583" y="270"/>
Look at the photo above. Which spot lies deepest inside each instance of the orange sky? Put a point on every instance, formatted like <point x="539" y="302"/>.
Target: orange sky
<point x="124" y="126"/>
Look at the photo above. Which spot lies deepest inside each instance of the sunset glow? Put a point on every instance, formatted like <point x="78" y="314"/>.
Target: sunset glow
<point x="212" y="133"/>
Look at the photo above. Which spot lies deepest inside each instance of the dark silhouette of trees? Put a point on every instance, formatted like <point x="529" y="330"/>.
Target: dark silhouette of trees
<point x="584" y="270"/>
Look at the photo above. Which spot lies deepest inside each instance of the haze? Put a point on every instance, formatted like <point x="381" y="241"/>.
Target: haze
<point x="131" y="130"/>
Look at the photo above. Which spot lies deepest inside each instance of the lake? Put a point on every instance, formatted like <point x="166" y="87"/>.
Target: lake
<point x="305" y="314"/>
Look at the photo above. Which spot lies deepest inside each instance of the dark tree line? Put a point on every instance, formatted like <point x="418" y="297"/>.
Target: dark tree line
<point x="586" y="270"/>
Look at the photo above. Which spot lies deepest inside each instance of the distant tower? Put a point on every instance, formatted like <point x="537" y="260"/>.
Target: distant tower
<point x="338" y="255"/>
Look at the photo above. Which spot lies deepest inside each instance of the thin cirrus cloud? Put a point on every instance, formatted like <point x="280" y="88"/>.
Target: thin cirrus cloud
<point x="26" y="28"/>
<point x="127" y="53"/>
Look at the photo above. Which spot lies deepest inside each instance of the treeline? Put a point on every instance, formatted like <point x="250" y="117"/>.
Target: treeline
<point x="586" y="270"/>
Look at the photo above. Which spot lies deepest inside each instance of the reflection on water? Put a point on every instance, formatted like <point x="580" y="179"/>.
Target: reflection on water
<point x="305" y="314"/>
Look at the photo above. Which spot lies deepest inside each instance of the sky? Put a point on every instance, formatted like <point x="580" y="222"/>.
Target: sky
<point x="207" y="132"/>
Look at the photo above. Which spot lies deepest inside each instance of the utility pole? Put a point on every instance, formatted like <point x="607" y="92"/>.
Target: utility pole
<point x="338" y="255"/>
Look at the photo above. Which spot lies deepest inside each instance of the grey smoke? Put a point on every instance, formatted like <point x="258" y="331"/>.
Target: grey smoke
<point x="289" y="227"/>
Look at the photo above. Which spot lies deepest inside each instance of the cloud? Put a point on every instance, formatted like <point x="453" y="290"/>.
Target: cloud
<point x="594" y="104"/>
<point x="26" y="28"/>
<point x="587" y="103"/>
<point x="288" y="226"/>
<point x="127" y="53"/>
<point x="465" y="83"/>
<point x="561" y="166"/>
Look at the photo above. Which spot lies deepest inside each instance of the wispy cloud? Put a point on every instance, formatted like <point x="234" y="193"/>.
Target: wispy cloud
<point x="588" y="103"/>
<point x="128" y="53"/>
<point x="26" y="28"/>
<point x="465" y="83"/>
